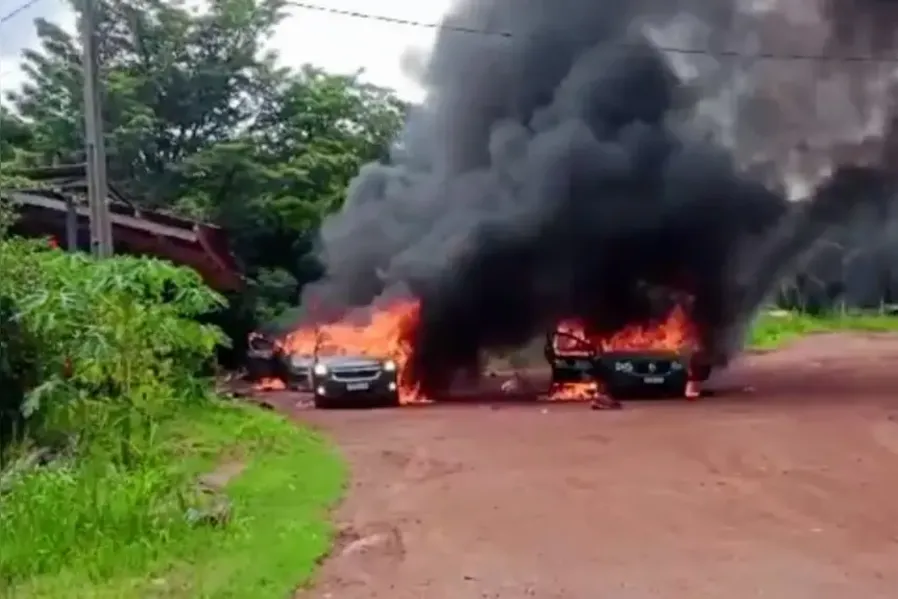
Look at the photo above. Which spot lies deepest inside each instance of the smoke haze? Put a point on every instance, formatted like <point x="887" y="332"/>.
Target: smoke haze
<point x="572" y="165"/>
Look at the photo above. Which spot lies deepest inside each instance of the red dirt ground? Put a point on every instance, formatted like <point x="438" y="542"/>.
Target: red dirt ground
<point x="788" y="490"/>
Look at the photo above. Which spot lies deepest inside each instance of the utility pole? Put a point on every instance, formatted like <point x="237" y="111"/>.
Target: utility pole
<point x="94" y="145"/>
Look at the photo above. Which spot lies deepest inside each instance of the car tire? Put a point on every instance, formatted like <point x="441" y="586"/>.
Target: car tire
<point x="701" y="372"/>
<point x="615" y="392"/>
<point x="633" y="392"/>
<point x="392" y="401"/>
<point x="322" y="403"/>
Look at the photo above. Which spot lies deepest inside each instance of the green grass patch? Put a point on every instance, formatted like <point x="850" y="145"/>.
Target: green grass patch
<point x="91" y="530"/>
<point x="772" y="329"/>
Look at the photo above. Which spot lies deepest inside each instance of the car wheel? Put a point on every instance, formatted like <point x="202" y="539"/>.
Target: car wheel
<point x="615" y="392"/>
<point x="322" y="403"/>
<point x="701" y="373"/>
<point x="680" y="389"/>
<point x="700" y="369"/>
<point x="392" y="401"/>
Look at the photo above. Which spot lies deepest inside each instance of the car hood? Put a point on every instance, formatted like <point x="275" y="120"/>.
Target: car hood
<point x="337" y="362"/>
<point x="299" y="361"/>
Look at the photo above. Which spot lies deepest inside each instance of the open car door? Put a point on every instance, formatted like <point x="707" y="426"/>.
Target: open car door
<point x="572" y="357"/>
<point x="262" y="357"/>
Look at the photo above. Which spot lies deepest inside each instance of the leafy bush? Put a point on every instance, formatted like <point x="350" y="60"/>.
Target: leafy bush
<point x="18" y="373"/>
<point x="109" y="343"/>
<point x="97" y="356"/>
<point x="7" y="216"/>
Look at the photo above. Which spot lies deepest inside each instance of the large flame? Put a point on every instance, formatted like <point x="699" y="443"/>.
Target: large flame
<point x="271" y="384"/>
<point x="386" y="332"/>
<point x="675" y="333"/>
<point x="382" y="332"/>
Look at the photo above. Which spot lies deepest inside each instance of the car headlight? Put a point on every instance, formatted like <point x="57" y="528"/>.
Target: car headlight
<point x="623" y="367"/>
<point x="390" y="366"/>
<point x="320" y="369"/>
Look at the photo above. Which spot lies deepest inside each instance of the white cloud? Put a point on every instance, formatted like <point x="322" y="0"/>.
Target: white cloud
<point x="335" y="42"/>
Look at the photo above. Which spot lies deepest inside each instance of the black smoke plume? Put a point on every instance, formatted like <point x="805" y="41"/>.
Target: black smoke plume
<point x="556" y="170"/>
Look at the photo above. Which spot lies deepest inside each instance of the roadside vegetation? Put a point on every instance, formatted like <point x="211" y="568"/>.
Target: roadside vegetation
<point x="109" y="426"/>
<point x="777" y="327"/>
<point x="121" y="473"/>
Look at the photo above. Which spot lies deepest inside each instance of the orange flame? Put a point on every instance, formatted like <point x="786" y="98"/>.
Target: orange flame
<point x="676" y="332"/>
<point x="579" y="391"/>
<point x="385" y="332"/>
<point x="271" y="384"/>
<point x="379" y="332"/>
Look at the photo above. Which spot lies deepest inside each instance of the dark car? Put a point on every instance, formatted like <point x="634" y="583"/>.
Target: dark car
<point x="622" y="373"/>
<point x="264" y="359"/>
<point x="352" y="381"/>
<point x="643" y="373"/>
<point x="335" y="380"/>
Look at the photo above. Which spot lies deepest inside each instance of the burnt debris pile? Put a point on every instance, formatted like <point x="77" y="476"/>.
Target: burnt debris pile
<point x="567" y="162"/>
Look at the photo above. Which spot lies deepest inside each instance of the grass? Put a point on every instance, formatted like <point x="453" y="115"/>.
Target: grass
<point x="772" y="329"/>
<point x="90" y="530"/>
<point x="87" y="530"/>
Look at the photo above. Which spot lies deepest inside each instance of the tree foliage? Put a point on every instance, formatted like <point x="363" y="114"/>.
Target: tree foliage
<point x="103" y="368"/>
<point x="201" y="120"/>
<point x="86" y="339"/>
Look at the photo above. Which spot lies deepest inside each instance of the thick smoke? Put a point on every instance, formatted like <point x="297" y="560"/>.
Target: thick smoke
<point x="782" y="106"/>
<point x="570" y="166"/>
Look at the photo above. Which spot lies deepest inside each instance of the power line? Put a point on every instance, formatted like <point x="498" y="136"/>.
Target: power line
<point x="16" y="11"/>
<point x="722" y="53"/>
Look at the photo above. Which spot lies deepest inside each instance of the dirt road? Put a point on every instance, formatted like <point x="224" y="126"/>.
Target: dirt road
<point x="786" y="491"/>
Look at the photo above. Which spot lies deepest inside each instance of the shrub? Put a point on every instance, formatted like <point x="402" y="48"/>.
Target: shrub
<point x="18" y="373"/>
<point x="100" y="346"/>
<point x="98" y="355"/>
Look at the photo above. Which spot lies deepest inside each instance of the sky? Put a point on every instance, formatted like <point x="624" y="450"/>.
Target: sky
<point x="337" y="43"/>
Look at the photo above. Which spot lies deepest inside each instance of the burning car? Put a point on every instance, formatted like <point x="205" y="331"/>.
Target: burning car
<point x="264" y="361"/>
<point x="338" y="380"/>
<point x="335" y="378"/>
<point x="658" y="360"/>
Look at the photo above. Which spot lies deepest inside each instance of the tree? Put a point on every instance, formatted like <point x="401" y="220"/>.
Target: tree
<point x="175" y="82"/>
<point x="272" y="185"/>
<point x="201" y="121"/>
<point x="293" y="165"/>
<point x="15" y="138"/>
<point x="15" y="146"/>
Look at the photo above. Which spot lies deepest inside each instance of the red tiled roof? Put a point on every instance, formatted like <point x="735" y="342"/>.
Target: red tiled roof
<point x="199" y="245"/>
